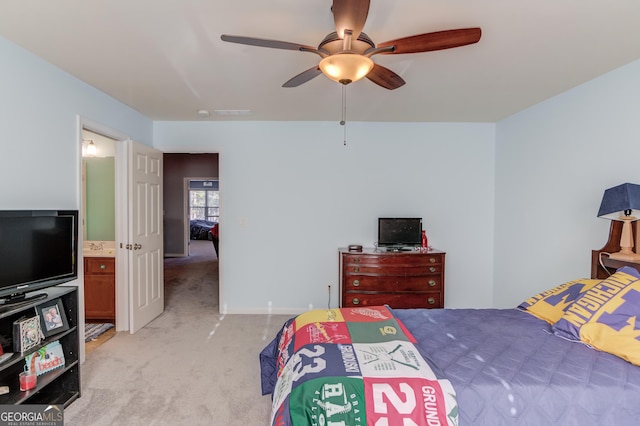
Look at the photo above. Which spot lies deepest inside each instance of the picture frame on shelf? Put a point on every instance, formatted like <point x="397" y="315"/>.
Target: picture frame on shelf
<point x="52" y="317"/>
<point x="45" y="359"/>
<point x="26" y="334"/>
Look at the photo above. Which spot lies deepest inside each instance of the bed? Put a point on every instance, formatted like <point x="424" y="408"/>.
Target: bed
<point x="505" y="366"/>
<point x="201" y="229"/>
<point x="215" y="238"/>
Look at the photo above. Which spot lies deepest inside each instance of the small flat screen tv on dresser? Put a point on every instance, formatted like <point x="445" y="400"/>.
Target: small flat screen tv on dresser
<point x="38" y="249"/>
<point x="398" y="233"/>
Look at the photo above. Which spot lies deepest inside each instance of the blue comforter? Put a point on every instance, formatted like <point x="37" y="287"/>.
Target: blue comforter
<point x="506" y="368"/>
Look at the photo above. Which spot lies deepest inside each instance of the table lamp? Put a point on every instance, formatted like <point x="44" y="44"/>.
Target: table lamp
<point x="622" y="203"/>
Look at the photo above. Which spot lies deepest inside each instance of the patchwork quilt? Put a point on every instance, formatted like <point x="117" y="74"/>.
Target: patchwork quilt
<point x="353" y="366"/>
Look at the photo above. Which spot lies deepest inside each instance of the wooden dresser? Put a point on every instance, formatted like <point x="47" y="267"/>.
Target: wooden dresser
<point x="100" y="288"/>
<point x="409" y="279"/>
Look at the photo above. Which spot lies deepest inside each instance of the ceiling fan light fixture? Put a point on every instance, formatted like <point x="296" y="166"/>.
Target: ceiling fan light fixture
<point x="346" y="67"/>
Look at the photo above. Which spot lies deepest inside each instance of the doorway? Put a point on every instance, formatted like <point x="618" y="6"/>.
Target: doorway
<point x="179" y="170"/>
<point x="202" y="204"/>
<point x="139" y="289"/>
<point x="188" y="259"/>
<point x="99" y="232"/>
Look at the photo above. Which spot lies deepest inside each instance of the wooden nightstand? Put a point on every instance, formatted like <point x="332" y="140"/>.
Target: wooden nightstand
<point x="412" y="279"/>
<point x="612" y="246"/>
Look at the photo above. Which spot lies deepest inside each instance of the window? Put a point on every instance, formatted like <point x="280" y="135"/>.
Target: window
<point x="204" y="200"/>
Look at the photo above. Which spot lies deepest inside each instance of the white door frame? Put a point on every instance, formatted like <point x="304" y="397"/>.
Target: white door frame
<point x="121" y="167"/>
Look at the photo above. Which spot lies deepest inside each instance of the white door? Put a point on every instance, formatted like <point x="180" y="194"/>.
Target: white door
<point x="146" y="269"/>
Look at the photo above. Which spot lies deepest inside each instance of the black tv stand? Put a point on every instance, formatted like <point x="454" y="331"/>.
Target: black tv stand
<point x="60" y="386"/>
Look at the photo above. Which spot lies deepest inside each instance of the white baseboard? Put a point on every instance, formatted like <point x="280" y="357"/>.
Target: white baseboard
<point x="175" y="255"/>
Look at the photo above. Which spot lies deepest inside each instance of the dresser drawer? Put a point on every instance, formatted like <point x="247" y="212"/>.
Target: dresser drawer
<point x="397" y="300"/>
<point x="99" y="265"/>
<point x="409" y="270"/>
<point x="392" y="283"/>
<point x="387" y="259"/>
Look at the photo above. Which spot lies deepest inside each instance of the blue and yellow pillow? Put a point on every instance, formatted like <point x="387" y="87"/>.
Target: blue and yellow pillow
<point x="629" y="270"/>
<point x="551" y="305"/>
<point x="606" y="317"/>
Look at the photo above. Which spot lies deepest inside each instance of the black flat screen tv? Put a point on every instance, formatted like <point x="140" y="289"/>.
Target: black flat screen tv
<point x="399" y="232"/>
<point x="38" y="249"/>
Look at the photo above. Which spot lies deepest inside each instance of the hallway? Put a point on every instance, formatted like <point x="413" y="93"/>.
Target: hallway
<point x="196" y="273"/>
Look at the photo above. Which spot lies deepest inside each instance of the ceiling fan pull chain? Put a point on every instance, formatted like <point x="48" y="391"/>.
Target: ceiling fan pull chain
<point x="343" y="122"/>
<point x="345" y="135"/>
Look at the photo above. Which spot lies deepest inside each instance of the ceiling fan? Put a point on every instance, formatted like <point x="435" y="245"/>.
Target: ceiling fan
<point x="346" y="53"/>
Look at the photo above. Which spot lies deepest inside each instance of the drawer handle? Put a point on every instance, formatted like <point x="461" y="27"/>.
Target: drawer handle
<point x="356" y="259"/>
<point x="432" y="283"/>
<point x="432" y="259"/>
<point x="356" y="301"/>
<point x="356" y="283"/>
<point x="356" y="269"/>
<point x="103" y="266"/>
<point x="431" y="301"/>
<point x="432" y="269"/>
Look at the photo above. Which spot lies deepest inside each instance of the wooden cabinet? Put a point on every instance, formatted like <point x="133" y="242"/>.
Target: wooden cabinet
<point x="412" y="279"/>
<point x="60" y="386"/>
<point x="100" y="288"/>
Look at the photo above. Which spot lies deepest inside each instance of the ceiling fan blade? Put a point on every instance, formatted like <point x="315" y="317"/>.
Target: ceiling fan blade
<point x="303" y="77"/>
<point x="263" y="42"/>
<point x="433" y="41"/>
<point x="385" y="77"/>
<point x="350" y="15"/>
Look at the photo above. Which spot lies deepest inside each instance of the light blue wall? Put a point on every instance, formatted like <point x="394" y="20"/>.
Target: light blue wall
<point x="553" y="163"/>
<point x="39" y="141"/>
<point x="292" y="193"/>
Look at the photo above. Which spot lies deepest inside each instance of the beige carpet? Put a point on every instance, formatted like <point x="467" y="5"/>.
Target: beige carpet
<point x="190" y="366"/>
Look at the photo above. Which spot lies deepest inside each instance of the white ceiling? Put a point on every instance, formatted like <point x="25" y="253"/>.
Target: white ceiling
<point x="165" y="58"/>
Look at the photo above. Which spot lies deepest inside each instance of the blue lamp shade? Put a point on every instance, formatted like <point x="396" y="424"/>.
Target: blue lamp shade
<point x="621" y="200"/>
